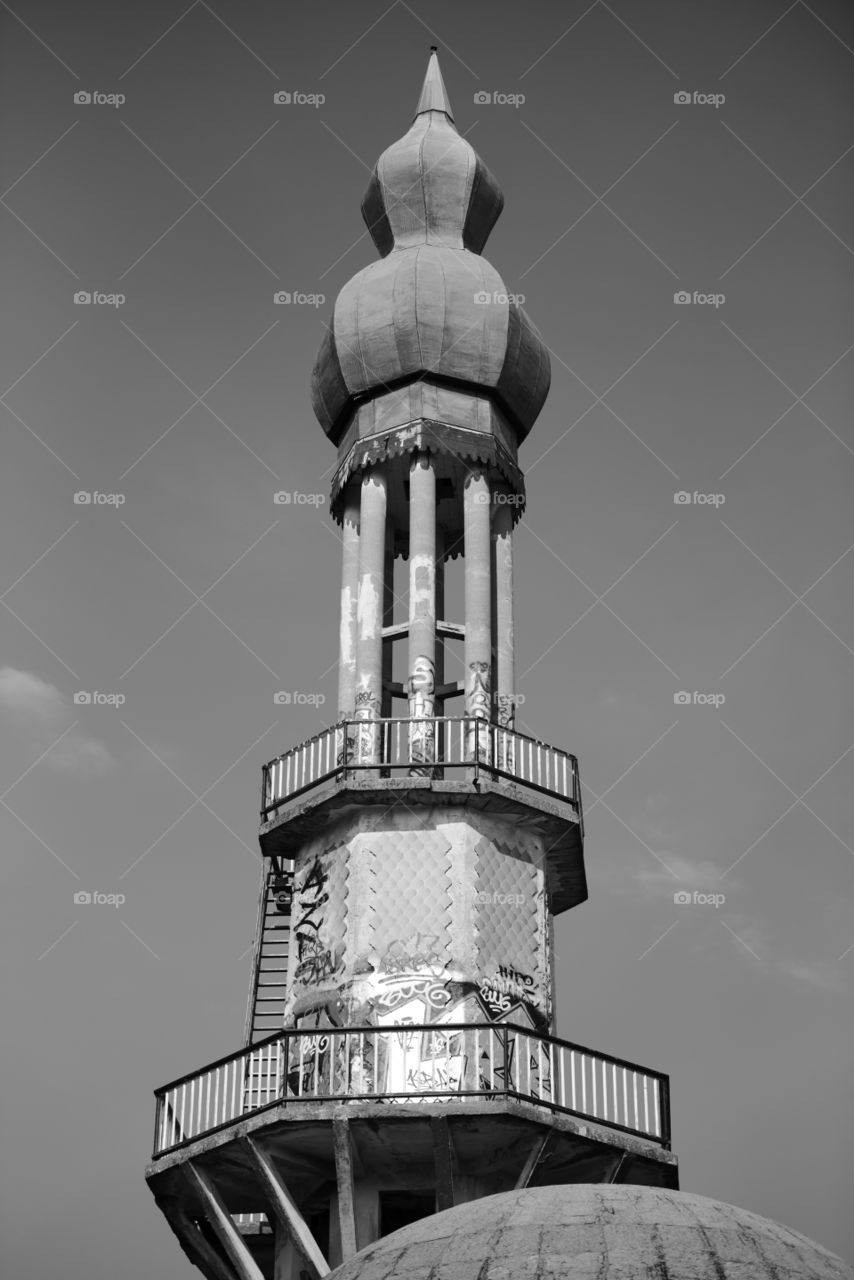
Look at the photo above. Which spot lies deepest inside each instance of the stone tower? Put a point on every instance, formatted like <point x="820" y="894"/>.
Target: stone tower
<point x="400" y="1052"/>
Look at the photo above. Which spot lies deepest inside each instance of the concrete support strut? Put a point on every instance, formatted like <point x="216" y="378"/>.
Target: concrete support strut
<point x="290" y="1224"/>
<point x="199" y="1250"/>
<point x="478" y="607"/>
<point x="245" y="1266"/>
<point x="421" y="686"/>
<point x="344" y="1180"/>
<point x="369" y="653"/>
<point x="443" y="1162"/>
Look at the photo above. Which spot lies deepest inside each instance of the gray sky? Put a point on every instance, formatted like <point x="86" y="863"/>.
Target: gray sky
<point x="198" y="598"/>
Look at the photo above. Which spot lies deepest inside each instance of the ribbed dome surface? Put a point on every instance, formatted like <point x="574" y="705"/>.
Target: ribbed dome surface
<point x="595" y="1232"/>
<point x="432" y="306"/>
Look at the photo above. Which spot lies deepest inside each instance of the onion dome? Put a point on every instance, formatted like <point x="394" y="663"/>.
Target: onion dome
<point x="432" y="309"/>
<point x="583" y="1231"/>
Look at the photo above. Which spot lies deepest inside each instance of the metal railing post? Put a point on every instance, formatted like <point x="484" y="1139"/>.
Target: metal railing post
<point x="664" y="1110"/>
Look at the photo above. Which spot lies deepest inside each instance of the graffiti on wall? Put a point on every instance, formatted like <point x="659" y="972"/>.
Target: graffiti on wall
<point x="422" y="734"/>
<point x="319" y="952"/>
<point x="503" y="991"/>
<point x="478" y="706"/>
<point x="367" y="709"/>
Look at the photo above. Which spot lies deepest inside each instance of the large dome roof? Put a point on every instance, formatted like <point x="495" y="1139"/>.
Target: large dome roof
<point x="595" y="1232"/>
<point x="431" y="308"/>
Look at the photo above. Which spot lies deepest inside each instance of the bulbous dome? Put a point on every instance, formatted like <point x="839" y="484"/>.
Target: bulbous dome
<point x="595" y="1232"/>
<point x="431" y="307"/>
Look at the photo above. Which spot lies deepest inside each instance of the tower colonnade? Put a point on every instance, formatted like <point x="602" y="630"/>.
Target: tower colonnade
<point x="369" y="604"/>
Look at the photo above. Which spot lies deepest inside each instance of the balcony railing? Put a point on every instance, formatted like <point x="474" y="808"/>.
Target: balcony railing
<point x="411" y="1064"/>
<point x="435" y="747"/>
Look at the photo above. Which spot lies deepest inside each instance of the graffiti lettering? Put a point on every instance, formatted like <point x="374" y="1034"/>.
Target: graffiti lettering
<point x="316" y="962"/>
<point x="409" y="956"/>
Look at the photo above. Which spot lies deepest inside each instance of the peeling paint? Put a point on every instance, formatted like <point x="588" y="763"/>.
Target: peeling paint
<point x="368" y="609"/>
<point x="347" y="628"/>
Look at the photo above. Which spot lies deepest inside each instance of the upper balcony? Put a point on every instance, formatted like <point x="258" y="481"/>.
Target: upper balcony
<point x="445" y="760"/>
<point x="439" y="747"/>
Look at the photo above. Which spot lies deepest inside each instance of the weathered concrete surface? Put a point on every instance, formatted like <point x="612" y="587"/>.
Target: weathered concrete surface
<point x="295" y="822"/>
<point x="491" y="1136"/>
<point x="591" y="1232"/>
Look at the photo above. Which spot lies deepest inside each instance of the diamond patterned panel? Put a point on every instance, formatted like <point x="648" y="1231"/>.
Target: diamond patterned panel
<point x="410" y="900"/>
<point x="509" y="904"/>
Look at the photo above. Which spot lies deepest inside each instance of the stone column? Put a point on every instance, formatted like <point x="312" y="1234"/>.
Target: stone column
<point x="478" y="605"/>
<point x="388" y="620"/>
<point x="369" y="613"/>
<point x="440" y="643"/>
<point x="502" y="526"/>
<point x="349" y="595"/>
<point x="422" y="610"/>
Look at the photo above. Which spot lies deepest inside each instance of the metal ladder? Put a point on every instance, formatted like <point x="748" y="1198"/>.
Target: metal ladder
<point x="265" y="1012"/>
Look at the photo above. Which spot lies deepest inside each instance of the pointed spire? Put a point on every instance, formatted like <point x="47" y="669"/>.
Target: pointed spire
<point x="434" y="95"/>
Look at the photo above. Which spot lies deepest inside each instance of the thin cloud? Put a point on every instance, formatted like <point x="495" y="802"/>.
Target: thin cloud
<point x="40" y="713"/>
<point x="751" y="932"/>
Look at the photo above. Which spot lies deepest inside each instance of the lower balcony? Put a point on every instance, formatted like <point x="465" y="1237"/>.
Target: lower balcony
<point x="428" y="1065"/>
